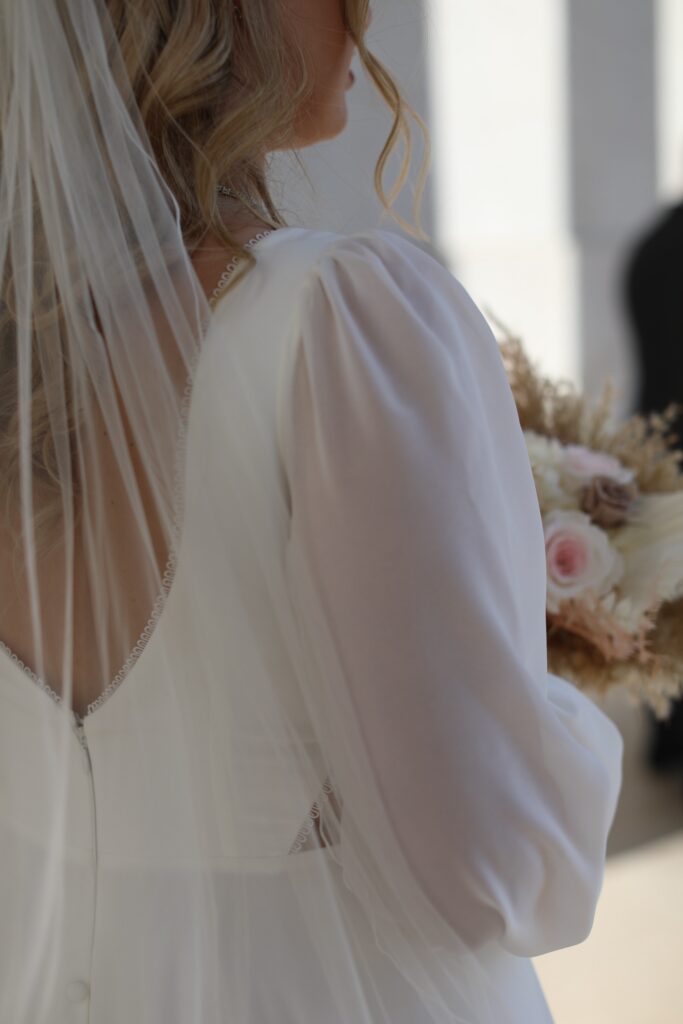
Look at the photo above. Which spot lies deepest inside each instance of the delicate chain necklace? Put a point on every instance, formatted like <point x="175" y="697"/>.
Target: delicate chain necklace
<point x="250" y="200"/>
<point x="225" y="190"/>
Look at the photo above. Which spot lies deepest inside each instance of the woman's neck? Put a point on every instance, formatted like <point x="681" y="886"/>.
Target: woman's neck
<point x="210" y="256"/>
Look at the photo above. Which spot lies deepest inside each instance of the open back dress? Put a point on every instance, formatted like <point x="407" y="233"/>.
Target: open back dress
<point x="390" y="434"/>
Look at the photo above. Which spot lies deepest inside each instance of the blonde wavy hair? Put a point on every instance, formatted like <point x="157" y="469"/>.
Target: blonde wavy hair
<point x="219" y="86"/>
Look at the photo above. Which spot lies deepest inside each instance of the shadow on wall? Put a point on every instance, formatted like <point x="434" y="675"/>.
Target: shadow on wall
<point x="653" y="297"/>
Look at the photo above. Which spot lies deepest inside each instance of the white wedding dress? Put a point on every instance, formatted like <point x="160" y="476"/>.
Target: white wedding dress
<point x="389" y="429"/>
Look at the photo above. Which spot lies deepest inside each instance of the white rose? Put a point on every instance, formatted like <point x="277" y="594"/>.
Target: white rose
<point x="580" y="465"/>
<point x="543" y="451"/>
<point x="545" y="455"/>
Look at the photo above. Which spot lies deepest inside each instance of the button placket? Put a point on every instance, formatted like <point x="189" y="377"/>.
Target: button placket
<point x="77" y="990"/>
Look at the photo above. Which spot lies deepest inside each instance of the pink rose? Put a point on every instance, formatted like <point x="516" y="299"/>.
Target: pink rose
<point x="579" y="558"/>
<point x="580" y="465"/>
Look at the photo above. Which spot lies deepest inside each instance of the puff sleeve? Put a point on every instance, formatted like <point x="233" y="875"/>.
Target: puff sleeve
<point x="413" y="505"/>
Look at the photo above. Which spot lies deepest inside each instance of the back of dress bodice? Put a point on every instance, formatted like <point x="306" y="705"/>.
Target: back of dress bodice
<point x="213" y="660"/>
<point x="374" y="616"/>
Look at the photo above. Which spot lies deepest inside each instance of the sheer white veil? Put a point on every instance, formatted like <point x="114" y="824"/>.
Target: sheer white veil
<point x="198" y="750"/>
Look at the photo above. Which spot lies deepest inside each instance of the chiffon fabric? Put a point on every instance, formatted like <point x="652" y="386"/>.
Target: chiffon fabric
<point x="381" y="522"/>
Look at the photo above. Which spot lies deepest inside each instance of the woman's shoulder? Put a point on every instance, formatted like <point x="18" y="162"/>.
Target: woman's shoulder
<point x="379" y="300"/>
<point x="371" y="244"/>
<point x="372" y="259"/>
<point x="375" y="291"/>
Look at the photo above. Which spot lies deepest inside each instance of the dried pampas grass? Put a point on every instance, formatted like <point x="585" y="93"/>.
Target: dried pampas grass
<point x="644" y="444"/>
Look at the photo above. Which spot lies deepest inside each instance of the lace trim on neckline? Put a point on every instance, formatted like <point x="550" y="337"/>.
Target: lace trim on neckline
<point x="177" y="515"/>
<point x="30" y="673"/>
<point x="225" y="276"/>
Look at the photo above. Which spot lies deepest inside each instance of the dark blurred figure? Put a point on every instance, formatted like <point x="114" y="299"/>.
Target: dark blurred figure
<point x="653" y="292"/>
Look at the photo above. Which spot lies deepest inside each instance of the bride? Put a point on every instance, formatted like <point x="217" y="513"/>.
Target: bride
<point x="278" y="743"/>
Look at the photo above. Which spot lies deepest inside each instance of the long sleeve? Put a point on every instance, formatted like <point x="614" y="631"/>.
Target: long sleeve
<point x="412" y="501"/>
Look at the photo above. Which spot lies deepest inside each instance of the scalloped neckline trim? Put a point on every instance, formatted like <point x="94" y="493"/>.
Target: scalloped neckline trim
<point x="172" y="562"/>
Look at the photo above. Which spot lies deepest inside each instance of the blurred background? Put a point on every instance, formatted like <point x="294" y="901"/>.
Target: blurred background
<point x="556" y="197"/>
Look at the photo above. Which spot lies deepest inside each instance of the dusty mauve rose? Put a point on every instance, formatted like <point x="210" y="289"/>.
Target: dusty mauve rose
<point x="607" y="502"/>
<point x="581" y="464"/>
<point x="579" y="558"/>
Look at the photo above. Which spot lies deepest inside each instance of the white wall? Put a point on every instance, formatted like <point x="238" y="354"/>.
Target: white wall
<point x="499" y="84"/>
<point x="551" y="153"/>
<point x="545" y="117"/>
<point x="340" y="194"/>
<point x="670" y="95"/>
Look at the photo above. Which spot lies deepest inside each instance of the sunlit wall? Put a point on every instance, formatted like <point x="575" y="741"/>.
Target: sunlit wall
<point x="669" y="78"/>
<point x="558" y="131"/>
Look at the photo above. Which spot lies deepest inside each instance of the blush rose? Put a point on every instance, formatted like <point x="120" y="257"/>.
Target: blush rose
<point x="579" y="558"/>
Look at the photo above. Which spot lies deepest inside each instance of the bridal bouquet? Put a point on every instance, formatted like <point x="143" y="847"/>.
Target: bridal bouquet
<point x="611" y="500"/>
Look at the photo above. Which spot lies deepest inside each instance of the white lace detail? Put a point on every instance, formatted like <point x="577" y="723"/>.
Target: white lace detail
<point x="225" y="276"/>
<point x="30" y="673"/>
<point x="143" y="639"/>
<point x="313" y="816"/>
<point x="178" y="504"/>
<point x="176" y="526"/>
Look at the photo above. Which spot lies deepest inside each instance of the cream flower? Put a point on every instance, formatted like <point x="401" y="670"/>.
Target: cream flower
<point x="543" y="450"/>
<point x="580" y="465"/>
<point x="545" y="456"/>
